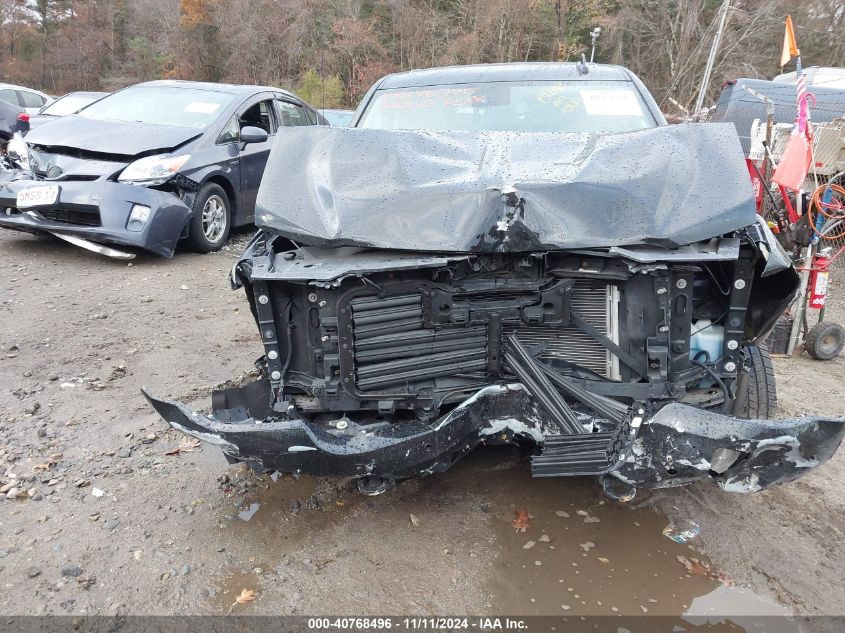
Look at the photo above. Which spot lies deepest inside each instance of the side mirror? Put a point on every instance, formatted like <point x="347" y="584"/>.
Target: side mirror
<point x="252" y="134"/>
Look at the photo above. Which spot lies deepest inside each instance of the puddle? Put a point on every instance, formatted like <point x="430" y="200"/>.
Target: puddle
<point x="270" y="523"/>
<point x="584" y="554"/>
<point x="740" y="606"/>
<point x="580" y="554"/>
<point x="734" y="601"/>
<point x="231" y="586"/>
<point x="277" y="498"/>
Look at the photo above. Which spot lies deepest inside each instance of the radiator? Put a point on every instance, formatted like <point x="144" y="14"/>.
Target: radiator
<point x="598" y="304"/>
<point x="392" y="347"/>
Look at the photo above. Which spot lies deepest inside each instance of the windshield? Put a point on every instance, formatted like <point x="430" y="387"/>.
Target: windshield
<point x="524" y="106"/>
<point x="338" y="118"/>
<point x="68" y="105"/>
<point x="161" y="105"/>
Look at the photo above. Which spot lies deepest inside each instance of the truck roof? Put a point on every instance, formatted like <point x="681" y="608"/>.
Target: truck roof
<point x="517" y="71"/>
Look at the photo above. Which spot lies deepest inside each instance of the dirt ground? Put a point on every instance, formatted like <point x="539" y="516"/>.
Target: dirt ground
<point x="102" y="520"/>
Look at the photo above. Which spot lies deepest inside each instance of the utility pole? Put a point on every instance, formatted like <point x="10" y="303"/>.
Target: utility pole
<point x="711" y="59"/>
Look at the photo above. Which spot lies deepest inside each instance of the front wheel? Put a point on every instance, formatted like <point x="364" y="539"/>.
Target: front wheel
<point x="211" y="220"/>
<point x="761" y="397"/>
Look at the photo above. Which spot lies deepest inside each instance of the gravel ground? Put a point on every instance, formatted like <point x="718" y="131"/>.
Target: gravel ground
<point x="100" y="514"/>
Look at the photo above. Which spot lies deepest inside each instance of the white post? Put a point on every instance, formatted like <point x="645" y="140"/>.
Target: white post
<point x="801" y="306"/>
<point x="594" y="34"/>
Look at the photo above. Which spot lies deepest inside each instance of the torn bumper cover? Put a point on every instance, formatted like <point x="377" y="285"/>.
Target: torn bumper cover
<point x="676" y="445"/>
<point x="681" y="444"/>
<point x="98" y="211"/>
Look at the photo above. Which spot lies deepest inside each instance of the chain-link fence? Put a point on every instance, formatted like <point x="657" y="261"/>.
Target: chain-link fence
<point x="824" y="183"/>
<point x="762" y="110"/>
<point x="746" y="100"/>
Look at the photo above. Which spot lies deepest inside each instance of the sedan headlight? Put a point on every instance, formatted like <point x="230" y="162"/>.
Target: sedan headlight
<point x="18" y="151"/>
<point x="153" y="169"/>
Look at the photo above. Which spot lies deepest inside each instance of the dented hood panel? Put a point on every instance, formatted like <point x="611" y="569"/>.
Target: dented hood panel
<point x="505" y="191"/>
<point x="117" y="138"/>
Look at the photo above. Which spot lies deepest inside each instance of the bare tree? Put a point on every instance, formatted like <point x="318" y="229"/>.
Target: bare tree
<point x="66" y="44"/>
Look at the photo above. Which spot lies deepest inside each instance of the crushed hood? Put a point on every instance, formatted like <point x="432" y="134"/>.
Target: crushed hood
<point x="505" y="191"/>
<point x="109" y="137"/>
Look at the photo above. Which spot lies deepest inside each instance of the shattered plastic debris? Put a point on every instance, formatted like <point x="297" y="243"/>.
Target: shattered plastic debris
<point x="247" y="513"/>
<point x="682" y="531"/>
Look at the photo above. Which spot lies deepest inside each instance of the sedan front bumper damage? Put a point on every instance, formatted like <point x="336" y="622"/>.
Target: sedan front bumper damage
<point x="674" y="445"/>
<point x="98" y="212"/>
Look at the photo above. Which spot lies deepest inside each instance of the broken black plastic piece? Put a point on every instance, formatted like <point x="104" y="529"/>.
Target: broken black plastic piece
<point x="534" y="378"/>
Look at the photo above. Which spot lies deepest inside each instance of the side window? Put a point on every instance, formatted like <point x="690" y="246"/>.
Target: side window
<point x="291" y="114"/>
<point x="230" y="133"/>
<point x="9" y="96"/>
<point x="260" y="116"/>
<point x="31" y="99"/>
<point x="312" y="116"/>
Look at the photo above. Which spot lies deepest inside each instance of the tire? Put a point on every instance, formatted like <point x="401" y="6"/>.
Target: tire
<point x="824" y="341"/>
<point x="211" y="209"/>
<point x="761" y="399"/>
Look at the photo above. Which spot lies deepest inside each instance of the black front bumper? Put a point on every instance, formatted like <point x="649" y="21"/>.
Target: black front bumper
<point x="677" y="444"/>
<point x="105" y="207"/>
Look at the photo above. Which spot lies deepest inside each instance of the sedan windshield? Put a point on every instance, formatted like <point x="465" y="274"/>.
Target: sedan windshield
<point x="526" y="106"/>
<point x="69" y="104"/>
<point x="161" y="105"/>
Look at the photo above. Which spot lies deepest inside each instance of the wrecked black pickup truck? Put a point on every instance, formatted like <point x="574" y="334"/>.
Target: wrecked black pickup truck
<point x="148" y="166"/>
<point x="513" y="273"/>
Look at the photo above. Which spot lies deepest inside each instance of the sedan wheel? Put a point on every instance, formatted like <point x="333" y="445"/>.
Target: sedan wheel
<point x="214" y="219"/>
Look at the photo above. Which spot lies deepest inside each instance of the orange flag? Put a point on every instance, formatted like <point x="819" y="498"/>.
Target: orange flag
<point x="790" y="49"/>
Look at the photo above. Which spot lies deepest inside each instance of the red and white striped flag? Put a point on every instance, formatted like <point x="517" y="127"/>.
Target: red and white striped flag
<point x="803" y="98"/>
<point x="790" y="51"/>
<point x="794" y="165"/>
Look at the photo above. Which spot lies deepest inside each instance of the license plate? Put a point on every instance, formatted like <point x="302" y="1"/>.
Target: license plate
<point x="38" y="196"/>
